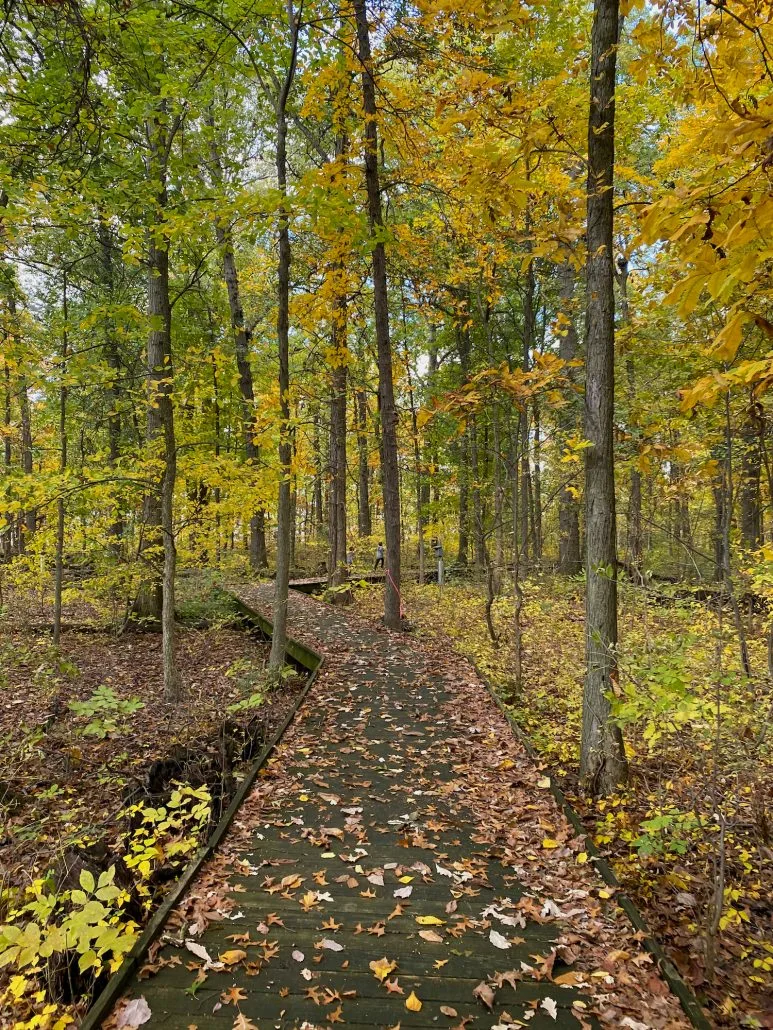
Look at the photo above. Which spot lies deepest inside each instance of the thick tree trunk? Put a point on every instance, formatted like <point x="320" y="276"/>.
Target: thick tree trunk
<point x="390" y="473"/>
<point x="257" y="545"/>
<point x="284" y="506"/>
<point x="364" y="527"/>
<point x="602" y="761"/>
<point x="569" y="560"/>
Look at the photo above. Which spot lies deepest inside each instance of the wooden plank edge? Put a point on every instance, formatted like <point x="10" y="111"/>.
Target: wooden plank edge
<point x="678" y="986"/>
<point x="118" y="982"/>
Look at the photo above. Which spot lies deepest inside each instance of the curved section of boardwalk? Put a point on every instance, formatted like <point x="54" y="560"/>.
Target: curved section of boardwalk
<point x="399" y="865"/>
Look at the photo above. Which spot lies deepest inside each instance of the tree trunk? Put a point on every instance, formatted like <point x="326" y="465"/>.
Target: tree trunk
<point x="114" y="391"/>
<point x="464" y="502"/>
<point x="284" y="512"/>
<point x="337" y="510"/>
<point x="523" y="421"/>
<point x="569" y="561"/>
<point x="30" y="516"/>
<point x="390" y="473"/>
<point x="59" y="559"/>
<point x="751" y="469"/>
<point x="258" y="557"/>
<point x="602" y="761"/>
<point x="537" y="501"/>
<point x="160" y="407"/>
<point x="364" y="527"/>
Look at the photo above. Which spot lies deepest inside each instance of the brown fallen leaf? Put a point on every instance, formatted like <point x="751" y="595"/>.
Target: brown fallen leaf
<point x="448" y="1011"/>
<point x="431" y="936"/>
<point x="393" y="986"/>
<point x="484" y="994"/>
<point x="233" y="996"/>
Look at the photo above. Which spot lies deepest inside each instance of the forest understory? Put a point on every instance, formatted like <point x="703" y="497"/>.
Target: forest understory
<point x="108" y="788"/>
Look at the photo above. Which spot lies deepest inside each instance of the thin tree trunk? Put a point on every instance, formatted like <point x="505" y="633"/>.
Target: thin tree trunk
<point x="390" y="473"/>
<point x="462" y="554"/>
<point x="602" y="760"/>
<point x="257" y="545"/>
<point x="537" y="506"/>
<point x="59" y="558"/>
<point x="284" y="513"/>
<point x="114" y="391"/>
<point x="30" y="515"/>
<point x="337" y="510"/>
<point x="160" y="408"/>
<point x="364" y="527"/>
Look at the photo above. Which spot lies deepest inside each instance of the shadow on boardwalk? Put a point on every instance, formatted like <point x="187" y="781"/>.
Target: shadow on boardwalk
<point x="400" y="863"/>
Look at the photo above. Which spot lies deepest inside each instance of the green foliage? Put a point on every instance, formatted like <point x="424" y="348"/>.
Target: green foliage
<point x="167" y="833"/>
<point x="105" y="711"/>
<point x="88" y="922"/>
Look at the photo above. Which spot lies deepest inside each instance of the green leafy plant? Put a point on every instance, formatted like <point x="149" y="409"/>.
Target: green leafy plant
<point x="105" y="711"/>
<point x="167" y="832"/>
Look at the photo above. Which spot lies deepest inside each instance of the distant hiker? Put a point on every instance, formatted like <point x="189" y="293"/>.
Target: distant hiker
<point x="379" y="557"/>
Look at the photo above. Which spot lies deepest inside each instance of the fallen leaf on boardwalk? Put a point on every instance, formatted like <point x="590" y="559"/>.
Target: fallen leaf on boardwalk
<point x="382" y="968"/>
<point x="403" y="892"/>
<point x="439" y="963"/>
<point x="298" y="956"/>
<point x="309" y="901"/>
<point x="368" y="893"/>
<point x="412" y="1003"/>
<point x="233" y="996"/>
<point x="336" y="1016"/>
<point x="230" y="958"/>
<point x="498" y="940"/>
<point x="307" y="974"/>
<point x="331" y="924"/>
<point x="134" y="1013"/>
<point x="393" y="987"/>
<point x="448" y="1011"/>
<point x="484" y="994"/>
<point x="431" y="936"/>
<point x="376" y="879"/>
<point x="242" y="1023"/>
<point x="199" y="951"/>
<point x="284" y="992"/>
<point x="396" y="911"/>
<point x="570" y="979"/>
<point x="550" y="1007"/>
<point x="329" y="945"/>
<point x="430" y="921"/>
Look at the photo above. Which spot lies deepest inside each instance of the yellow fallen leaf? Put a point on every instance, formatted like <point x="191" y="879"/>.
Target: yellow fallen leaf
<point x="543" y="781"/>
<point x="582" y="858"/>
<point x="430" y="921"/>
<point x="382" y="968"/>
<point x="230" y="958"/>
<point x="508" y="763"/>
<point x="405" y="879"/>
<point x="412" y="1003"/>
<point x="548" y="842"/>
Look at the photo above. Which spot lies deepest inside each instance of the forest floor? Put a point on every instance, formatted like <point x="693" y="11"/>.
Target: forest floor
<point x="91" y="753"/>
<point x="697" y="810"/>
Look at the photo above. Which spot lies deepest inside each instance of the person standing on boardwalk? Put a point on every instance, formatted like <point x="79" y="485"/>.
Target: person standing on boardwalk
<point x="379" y="562"/>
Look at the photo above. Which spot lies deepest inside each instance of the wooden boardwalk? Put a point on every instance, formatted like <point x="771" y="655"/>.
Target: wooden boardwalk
<point x="399" y="865"/>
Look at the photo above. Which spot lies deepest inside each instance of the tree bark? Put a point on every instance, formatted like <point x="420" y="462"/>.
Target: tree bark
<point x="284" y="506"/>
<point x="337" y="567"/>
<point x="160" y="406"/>
<point x="390" y="472"/>
<point x="602" y="760"/>
<point x="60" y="512"/>
<point x="569" y="560"/>
<point x="363" y="472"/>
<point x="113" y="362"/>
